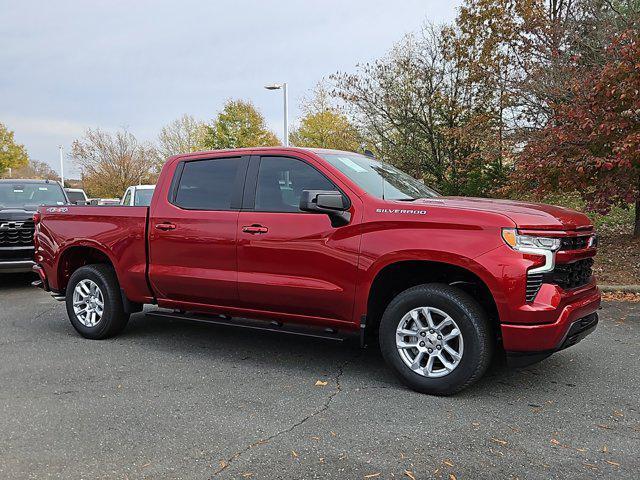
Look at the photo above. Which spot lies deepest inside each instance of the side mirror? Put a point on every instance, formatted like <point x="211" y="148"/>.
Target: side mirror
<point x="329" y="202"/>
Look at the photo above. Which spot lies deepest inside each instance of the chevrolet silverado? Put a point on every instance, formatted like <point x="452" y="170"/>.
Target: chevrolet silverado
<point x="332" y="242"/>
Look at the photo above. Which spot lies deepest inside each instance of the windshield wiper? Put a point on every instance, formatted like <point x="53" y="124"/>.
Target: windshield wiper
<point x="405" y="199"/>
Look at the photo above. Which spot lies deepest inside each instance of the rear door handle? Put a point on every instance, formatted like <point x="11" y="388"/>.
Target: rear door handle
<point x="255" y="229"/>
<point x="166" y="226"/>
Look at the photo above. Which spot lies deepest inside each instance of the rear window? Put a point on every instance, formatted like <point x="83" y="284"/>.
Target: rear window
<point x="76" y="197"/>
<point x="207" y="184"/>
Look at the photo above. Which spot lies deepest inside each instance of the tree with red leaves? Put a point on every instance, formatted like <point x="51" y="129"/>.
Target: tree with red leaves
<point x="592" y="143"/>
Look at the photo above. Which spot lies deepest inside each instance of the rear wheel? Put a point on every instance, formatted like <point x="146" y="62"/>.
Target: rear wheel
<point x="437" y="338"/>
<point x="94" y="303"/>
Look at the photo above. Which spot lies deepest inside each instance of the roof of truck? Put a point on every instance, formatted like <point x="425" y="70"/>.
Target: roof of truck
<point x="26" y="180"/>
<point x="263" y="149"/>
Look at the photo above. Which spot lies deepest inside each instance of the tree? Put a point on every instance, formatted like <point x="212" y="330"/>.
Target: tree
<point x="238" y="125"/>
<point x="12" y="154"/>
<point x="36" y="169"/>
<point x="183" y="135"/>
<point x="421" y="109"/>
<point x="323" y="125"/>
<point x="112" y="162"/>
<point x="592" y="144"/>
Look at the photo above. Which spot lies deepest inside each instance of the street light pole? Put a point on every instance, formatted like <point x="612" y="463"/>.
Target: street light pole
<point x="286" y="114"/>
<point x="61" y="165"/>
<point x="285" y="94"/>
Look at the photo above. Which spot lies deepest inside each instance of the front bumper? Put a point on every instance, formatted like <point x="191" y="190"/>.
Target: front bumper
<point x="577" y="331"/>
<point x="527" y="344"/>
<point x="16" y="266"/>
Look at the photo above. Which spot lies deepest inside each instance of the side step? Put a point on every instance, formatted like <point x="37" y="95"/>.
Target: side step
<point x="264" y="325"/>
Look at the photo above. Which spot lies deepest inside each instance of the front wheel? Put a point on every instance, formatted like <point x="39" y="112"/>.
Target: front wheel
<point x="94" y="302"/>
<point x="437" y="338"/>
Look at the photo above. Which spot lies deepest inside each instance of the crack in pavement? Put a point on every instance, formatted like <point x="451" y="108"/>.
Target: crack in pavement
<point x="224" y="464"/>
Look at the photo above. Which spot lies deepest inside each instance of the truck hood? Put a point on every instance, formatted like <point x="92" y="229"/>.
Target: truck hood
<point x="17" y="214"/>
<point x="525" y="215"/>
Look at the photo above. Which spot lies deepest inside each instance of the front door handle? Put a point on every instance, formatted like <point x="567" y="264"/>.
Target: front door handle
<point x="255" y="229"/>
<point x="165" y="226"/>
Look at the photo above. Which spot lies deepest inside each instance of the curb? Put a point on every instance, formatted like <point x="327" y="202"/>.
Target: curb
<point x="620" y="288"/>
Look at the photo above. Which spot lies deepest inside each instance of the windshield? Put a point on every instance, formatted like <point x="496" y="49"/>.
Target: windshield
<point x="377" y="178"/>
<point x="20" y="195"/>
<point x="143" y="197"/>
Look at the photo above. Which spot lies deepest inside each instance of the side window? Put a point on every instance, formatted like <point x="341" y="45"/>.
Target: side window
<point x="281" y="181"/>
<point x="127" y="197"/>
<point x="207" y="184"/>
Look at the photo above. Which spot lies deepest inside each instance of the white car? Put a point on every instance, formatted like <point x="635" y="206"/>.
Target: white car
<point x="77" y="196"/>
<point x="138" y="195"/>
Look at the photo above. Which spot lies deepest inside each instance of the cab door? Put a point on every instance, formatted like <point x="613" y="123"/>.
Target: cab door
<point x="293" y="263"/>
<point x="193" y="233"/>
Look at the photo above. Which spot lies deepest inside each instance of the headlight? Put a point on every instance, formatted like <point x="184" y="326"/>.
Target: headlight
<point x="533" y="245"/>
<point x="527" y="242"/>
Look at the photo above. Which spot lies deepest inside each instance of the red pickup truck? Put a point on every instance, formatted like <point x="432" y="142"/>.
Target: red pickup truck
<point x="332" y="242"/>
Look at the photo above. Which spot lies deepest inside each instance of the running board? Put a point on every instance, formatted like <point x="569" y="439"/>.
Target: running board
<point x="264" y="325"/>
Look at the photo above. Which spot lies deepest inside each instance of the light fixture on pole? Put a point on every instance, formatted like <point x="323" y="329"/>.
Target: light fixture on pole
<point x="283" y="86"/>
<point x="61" y="165"/>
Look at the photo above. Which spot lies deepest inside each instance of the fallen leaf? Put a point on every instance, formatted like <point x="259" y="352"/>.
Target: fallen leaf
<point x="320" y="383"/>
<point x="581" y="449"/>
<point x="452" y="476"/>
<point x="591" y="466"/>
<point x="618" y="413"/>
<point x="409" y="474"/>
<point x="604" y="449"/>
<point x="555" y="442"/>
<point x="372" y="475"/>
<point x="607" y="427"/>
<point x="247" y="474"/>
<point x="333" y="434"/>
<point x="497" y="440"/>
<point x="294" y="454"/>
<point x="315" y="438"/>
<point x="146" y="465"/>
<point x="616" y="464"/>
<point x="448" y="463"/>
<point x="223" y="464"/>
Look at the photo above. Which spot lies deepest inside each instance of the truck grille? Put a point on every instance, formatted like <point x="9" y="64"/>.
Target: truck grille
<point x="16" y="234"/>
<point x="572" y="275"/>
<point x="567" y="276"/>
<point x="534" y="282"/>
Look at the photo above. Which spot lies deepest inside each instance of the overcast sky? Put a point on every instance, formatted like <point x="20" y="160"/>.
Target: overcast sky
<point x="68" y="65"/>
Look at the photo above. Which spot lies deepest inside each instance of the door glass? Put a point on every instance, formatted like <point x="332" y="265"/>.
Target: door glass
<point x="281" y="181"/>
<point x="207" y="184"/>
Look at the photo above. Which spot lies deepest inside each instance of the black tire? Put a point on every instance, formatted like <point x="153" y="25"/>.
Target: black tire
<point x="114" y="318"/>
<point x="472" y="321"/>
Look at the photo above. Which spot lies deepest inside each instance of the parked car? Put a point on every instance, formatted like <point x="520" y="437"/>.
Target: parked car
<point x="104" y="201"/>
<point x="339" y="243"/>
<point x="19" y="200"/>
<point x="138" y="195"/>
<point x="76" y="196"/>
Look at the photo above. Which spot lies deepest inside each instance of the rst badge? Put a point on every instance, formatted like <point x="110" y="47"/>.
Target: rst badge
<point x="57" y="210"/>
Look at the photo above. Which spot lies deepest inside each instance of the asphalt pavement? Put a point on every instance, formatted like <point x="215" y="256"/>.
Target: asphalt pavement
<point x="171" y="399"/>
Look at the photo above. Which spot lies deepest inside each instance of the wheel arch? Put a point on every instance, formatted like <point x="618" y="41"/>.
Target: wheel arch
<point x="78" y="255"/>
<point x="396" y="276"/>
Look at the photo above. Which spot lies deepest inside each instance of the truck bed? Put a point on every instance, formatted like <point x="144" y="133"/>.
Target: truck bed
<point x="119" y="232"/>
